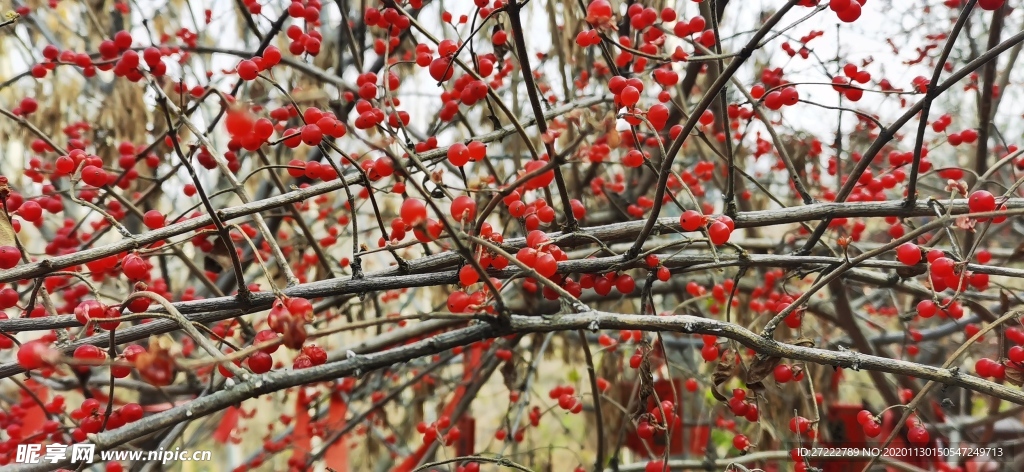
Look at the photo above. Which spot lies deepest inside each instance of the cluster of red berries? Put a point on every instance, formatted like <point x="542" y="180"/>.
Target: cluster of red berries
<point x="249" y="69"/>
<point x="460" y="301"/>
<point x="460" y="154"/>
<point x="537" y="212"/>
<point x="303" y="42"/>
<point x="603" y="284"/>
<point x="869" y="423"/>
<point x="389" y="19"/>
<point x="741" y="407"/>
<point x="567" y="399"/>
<point x="26" y="106"/>
<point x="719" y="228"/>
<point x="439" y="429"/>
<point x="309" y="12"/>
<point x="944" y="271"/>
<point x="709" y="352"/>
<point x="967" y="136"/>
<point x="12" y="420"/>
<point x="90" y="417"/>
<point x="587" y="38"/>
<point x="625" y="336"/>
<point x="541" y="254"/>
<point x="288" y="317"/>
<point x="776" y="99"/>
<point x="310" y="356"/>
<point x="917" y="434"/>
<point x="784" y="373"/>
<point x="93" y="310"/>
<point x="688" y="28"/>
<point x="847" y="10"/>
<point x="467" y="89"/>
<point x="654" y="423"/>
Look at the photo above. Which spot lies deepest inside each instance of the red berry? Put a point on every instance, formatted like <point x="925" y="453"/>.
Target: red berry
<point x="463" y="209"/>
<point x="311" y="135"/>
<point x="908" y="253"/>
<point x="468" y="275"/>
<point x="1016" y="354"/>
<point x="691" y="220"/>
<point x="458" y="154"/>
<point x="441" y="70"/>
<point x="741" y="442"/>
<point x="981" y="201"/>
<point x="625" y="284"/>
<point x="458" y="302"/>
<point x="153" y="219"/>
<point x="943" y="267"/>
<point x="629" y="96"/>
<point x="34" y="354"/>
<point x="248" y="70"/>
<point x="783" y="373"/>
<point x="719" y="233"/>
<point x="918" y="435"/>
<point x="94" y="176"/>
<point x="414" y="211"/>
<point x="990" y="5"/>
<point x="9" y="257"/>
<point x="135" y="267"/>
<point x="926" y="308"/>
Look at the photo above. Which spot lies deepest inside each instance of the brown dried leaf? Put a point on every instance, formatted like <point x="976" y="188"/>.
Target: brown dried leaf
<point x="1015" y="376"/>
<point x="761" y="368"/>
<point x="724" y="371"/>
<point x="509" y="375"/>
<point x="803" y="342"/>
<point x="218" y="259"/>
<point x="646" y="383"/>
<point x="7" y="236"/>
<point x="613" y="136"/>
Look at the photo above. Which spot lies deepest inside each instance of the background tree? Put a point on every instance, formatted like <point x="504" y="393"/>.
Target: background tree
<point x="687" y="235"/>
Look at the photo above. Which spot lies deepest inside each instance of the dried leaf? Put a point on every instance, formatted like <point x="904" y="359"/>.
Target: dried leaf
<point x="803" y="342"/>
<point x="7" y="237"/>
<point x="646" y="383"/>
<point x="218" y="259"/>
<point x="509" y="375"/>
<point x="1015" y="376"/>
<point x="724" y="371"/>
<point x="761" y="368"/>
<point x="613" y="136"/>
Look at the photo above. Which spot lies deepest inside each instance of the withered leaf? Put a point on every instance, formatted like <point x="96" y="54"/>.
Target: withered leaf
<point x="1015" y="377"/>
<point x="646" y="383"/>
<point x="761" y="368"/>
<point x="724" y="371"/>
<point x="803" y="342"/>
<point x="218" y="259"/>
<point x="508" y="374"/>
<point x="7" y="237"/>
